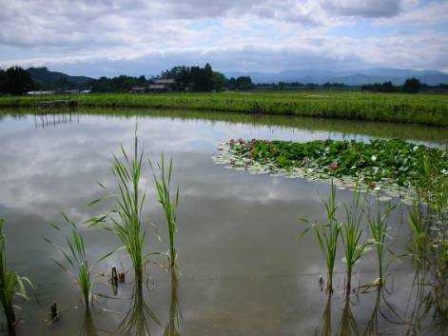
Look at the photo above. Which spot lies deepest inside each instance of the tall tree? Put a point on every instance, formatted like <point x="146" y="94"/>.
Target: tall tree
<point x="19" y="81"/>
<point x="412" y="85"/>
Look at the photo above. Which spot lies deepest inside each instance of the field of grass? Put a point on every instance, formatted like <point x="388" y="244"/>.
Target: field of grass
<point x="425" y="109"/>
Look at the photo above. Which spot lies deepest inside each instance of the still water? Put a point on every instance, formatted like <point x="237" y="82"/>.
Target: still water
<point x="243" y="267"/>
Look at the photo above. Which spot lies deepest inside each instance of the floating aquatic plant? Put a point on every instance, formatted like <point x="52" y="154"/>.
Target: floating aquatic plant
<point x="388" y="165"/>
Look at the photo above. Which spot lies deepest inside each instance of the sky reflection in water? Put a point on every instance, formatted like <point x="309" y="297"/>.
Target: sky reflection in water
<point x="243" y="269"/>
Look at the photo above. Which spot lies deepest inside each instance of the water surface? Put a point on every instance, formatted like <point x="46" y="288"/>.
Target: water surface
<point x="243" y="268"/>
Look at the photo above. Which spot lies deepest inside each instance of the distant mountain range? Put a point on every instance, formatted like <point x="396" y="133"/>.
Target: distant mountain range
<point x="358" y="77"/>
<point x="52" y="80"/>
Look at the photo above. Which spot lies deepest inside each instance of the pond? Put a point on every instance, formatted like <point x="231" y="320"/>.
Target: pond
<point x="244" y="269"/>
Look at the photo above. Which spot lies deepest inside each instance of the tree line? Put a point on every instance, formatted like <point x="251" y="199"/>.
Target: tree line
<point x="411" y="85"/>
<point x="186" y="79"/>
<point x="17" y="81"/>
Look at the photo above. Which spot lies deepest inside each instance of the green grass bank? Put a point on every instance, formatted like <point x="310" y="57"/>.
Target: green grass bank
<point x="426" y="109"/>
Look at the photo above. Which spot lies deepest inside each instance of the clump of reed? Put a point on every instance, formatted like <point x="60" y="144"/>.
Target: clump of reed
<point x="162" y="180"/>
<point x="327" y="236"/>
<point x="76" y="258"/>
<point x="11" y="285"/>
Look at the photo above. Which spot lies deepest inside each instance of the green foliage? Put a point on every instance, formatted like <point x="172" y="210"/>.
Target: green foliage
<point x="11" y="284"/>
<point x="242" y="83"/>
<point x="162" y="181"/>
<point x="195" y="78"/>
<point x="76" y="259"/>
<point x="117" y="84"/>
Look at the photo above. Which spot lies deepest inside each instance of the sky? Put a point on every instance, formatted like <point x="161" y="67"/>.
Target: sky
<point x="144" y="37"/>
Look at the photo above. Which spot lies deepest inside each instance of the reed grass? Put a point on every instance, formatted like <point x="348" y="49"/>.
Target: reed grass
<point x="76" y="258"/>
<point x="351" y="234"/>
<point x="11" y="285"/>
<point x="162" y="180"/>
<point x="327" y="236"/>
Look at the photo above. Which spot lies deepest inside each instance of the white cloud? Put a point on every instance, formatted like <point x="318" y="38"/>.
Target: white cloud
<point x="365" y="8"/>
<point x="255" y="35"/>
<point x="429" y="14"/>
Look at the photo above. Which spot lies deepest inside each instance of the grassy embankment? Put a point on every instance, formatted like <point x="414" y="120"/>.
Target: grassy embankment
<point x="401" y="108"/>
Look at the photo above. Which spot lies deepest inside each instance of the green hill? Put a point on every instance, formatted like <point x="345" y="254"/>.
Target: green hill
<point x="48" y="80"/>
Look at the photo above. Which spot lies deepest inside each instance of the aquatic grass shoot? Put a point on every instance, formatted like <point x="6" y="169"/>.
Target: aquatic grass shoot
<point x="172" y="327"/>
<point x="76" y="258"/>
<point x="128" y="225"/>
<point x="125" y="220"/>
<point x="351" y="233"/>
<point x="419" y="240"/>
<point x="162" y="180"/>
<point x="327" y="235"/>
<point x="137" y="319"/>
<point x="11" y="284"/>
<point x="379" y="228"/>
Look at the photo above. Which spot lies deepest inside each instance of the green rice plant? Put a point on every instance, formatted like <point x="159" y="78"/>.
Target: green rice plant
<point x="420" y="239"/>
<point x="351" y="233"/>
<point x="128" y="226"/>
<point x="379" y="227"/>
<point x="327" y="235"/>
<point x="137" y="319"/>
<point x="162" y="181"/>
<point x="125" y="221"/>
<point x="76" y="258"/>
<point x="347" y="324"/>
<point x="88" y="327"/>
<point x="11" y="284"/>
<point x="172" y="327"/>
<point x="325" y="326"/>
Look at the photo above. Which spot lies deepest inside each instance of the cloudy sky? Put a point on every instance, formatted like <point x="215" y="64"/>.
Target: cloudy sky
<point x="135" y="37"/>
